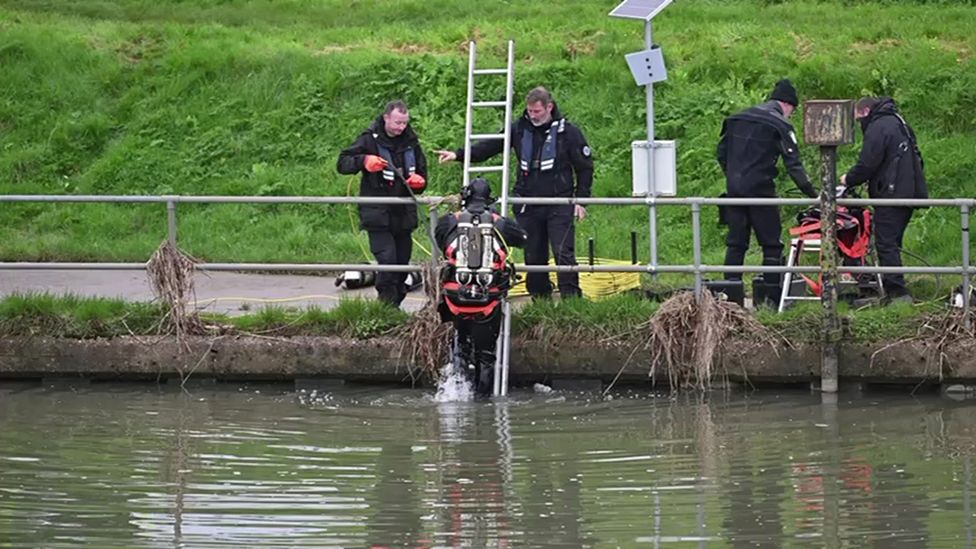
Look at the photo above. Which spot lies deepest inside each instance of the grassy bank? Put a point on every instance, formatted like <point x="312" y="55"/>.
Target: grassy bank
<point x="613" y="319"/>
<point x="258" y="97"/>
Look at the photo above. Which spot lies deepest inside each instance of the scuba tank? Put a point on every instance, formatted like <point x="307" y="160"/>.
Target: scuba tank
<point x="475" y="253"/>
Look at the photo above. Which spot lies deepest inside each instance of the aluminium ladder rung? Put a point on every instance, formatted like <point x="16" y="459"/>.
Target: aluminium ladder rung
<point x="486" y="136"/>
<point x="491" y="71"/>
<point x="489" y="104"/>
<point x="483" y="169"/>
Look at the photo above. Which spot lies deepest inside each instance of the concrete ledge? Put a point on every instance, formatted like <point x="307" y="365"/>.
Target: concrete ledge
<point x="321" y="358"/>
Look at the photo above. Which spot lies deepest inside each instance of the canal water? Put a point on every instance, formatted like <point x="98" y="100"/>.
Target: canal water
<point x="265" y="466"/>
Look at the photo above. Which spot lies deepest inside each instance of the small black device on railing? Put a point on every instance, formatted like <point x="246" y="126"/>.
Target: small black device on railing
<point x="633" y="247"/>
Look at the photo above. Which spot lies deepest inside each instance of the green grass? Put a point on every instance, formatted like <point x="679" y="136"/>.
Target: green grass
<point x="352" y="318"/>
<point x="612" y="318"/>
<point x="76" y="317"/>
<point x="83" y="317"/>
<point x="802" y="322"/>
<point x="257" y="98"/>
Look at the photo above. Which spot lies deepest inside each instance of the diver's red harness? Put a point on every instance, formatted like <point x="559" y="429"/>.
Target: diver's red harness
<point x="853" y="235"/>
<point x="479" y="273"/>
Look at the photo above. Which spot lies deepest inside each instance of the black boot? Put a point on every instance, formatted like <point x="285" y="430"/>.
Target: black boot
<point x="485" y="373"/>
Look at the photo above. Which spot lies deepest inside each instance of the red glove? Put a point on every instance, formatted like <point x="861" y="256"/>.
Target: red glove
<point x="416" y="182"/>
<point x="374" y="163"/>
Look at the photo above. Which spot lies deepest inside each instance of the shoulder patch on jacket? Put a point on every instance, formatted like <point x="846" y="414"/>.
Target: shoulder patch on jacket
<point x="587" y="151"/>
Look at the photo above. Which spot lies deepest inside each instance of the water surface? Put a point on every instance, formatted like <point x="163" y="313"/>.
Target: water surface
<point x="264" y="466"/>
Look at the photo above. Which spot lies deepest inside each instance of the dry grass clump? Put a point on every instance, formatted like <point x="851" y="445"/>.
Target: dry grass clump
<point x="426" y="341"/>
<point x="937" y="333"/>
<point x="687" y="337"/>
<point x="171" y="277"/>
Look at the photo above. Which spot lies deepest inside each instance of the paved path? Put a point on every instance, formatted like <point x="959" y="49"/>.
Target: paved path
<point x="230" y="293"/>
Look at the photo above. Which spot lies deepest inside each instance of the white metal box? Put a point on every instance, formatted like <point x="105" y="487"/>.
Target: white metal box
<point x="665" y="182"/>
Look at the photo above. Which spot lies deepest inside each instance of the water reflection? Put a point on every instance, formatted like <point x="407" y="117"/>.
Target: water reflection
<point x="238" y="466"/>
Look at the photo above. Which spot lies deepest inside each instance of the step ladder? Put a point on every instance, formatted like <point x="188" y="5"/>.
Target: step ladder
<point x="795" y="287"/>
<point x="503" y="347"/>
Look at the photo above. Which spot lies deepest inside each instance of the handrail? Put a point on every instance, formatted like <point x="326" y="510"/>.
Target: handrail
<point x="697" y="269"/>
<point x="434" y="200"/>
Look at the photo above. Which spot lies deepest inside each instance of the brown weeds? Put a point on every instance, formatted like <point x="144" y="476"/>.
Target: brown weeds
<point x="171" y="277"/>
<point x="937" y="333"/>
<point x="426" y="341"/>
<point x="687" y="337"/>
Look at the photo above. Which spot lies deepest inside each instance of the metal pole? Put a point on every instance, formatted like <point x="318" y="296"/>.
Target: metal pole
<point x="496" y="380"/>
<point x="828" y="267"/>
<point x="652" y="186"/>
<point x="652" y="232"/>
<point x="696" y="244"/>
<point x="171" y="221"/>
<point x="507" y="142"/>
<point x="432" y="217"/>
<point x="469" y="115"/>
<point x="965" y="267"/>
<point x="506" y="344"/>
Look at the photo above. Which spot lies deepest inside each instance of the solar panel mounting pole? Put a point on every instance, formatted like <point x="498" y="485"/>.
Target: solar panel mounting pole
<point x="652" y="189"/>
<point x="647" y="67"/>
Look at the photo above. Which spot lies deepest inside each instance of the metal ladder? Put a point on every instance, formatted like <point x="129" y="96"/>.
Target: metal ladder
<point x="503" y="347"/>
<point x="797" y="247"/>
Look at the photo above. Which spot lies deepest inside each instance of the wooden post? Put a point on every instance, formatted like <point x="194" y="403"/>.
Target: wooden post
<point x="828" y="270"/>
<point x="829" y="123"/>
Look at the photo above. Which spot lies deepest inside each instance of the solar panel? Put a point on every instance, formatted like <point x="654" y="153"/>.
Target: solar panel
<point x="640" y="9"/>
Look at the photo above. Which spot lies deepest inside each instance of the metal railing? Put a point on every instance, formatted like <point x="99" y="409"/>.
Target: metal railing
<point x="696" y="268"/>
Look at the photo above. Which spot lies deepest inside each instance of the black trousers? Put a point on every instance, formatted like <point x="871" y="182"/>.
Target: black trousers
<point x="477" y="340"/>
<point x="889" y="231"/>
<point x="765" y="222"/>
<point x="391" y="248"/>
<point x="547" y="226"/>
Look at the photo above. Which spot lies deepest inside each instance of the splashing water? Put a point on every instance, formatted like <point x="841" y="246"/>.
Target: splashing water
<point x="453" y="385"/>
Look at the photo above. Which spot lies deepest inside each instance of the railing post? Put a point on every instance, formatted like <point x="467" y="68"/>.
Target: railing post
<point x="171" y="220"/>
<point x="652" y="233"/>
<point x="696" y="244"/>
<point x="965" y="266"/>
<point x="432" y="217"/>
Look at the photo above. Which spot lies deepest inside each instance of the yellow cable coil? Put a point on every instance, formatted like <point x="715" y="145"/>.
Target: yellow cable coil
<point x="594" y="285"/>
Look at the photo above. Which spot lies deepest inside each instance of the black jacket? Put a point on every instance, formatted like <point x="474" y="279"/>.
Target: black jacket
<point x="751" y="143"/>
<point x="890" y="161"/>
<point x="391" y="217"/>
<point x="573" y="154"/>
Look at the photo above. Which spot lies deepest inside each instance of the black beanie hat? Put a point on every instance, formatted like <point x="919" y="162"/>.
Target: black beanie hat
<point x="785" y="92"/>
